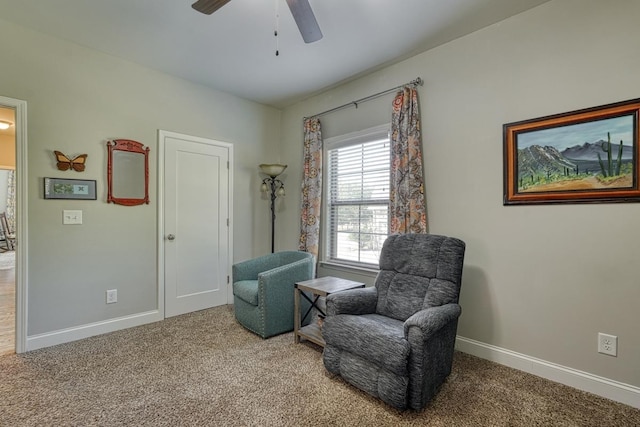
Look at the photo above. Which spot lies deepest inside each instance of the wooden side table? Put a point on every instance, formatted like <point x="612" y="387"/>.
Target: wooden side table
<point x="320" y="287"/>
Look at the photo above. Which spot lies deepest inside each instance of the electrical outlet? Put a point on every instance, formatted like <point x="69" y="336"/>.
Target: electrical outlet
<point x="112" y="296"/>
<point x="607" y="344"/>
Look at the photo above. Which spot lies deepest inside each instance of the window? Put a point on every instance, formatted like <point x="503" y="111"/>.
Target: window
<point x="357" y="200"/>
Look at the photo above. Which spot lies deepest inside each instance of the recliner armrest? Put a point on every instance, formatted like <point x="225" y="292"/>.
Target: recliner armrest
<point x="432" y="319"/>
<point x="353" y="301"/>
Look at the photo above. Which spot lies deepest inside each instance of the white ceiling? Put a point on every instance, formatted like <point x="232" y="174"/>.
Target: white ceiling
<point x="233" y="50"/>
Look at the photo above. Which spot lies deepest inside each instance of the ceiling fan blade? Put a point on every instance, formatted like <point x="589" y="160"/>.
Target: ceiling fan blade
<point x="209" y="6"/>
<point x="305" y="19"/>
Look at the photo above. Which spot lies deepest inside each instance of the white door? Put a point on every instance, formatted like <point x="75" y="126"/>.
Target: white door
<point x="195" y="222"/>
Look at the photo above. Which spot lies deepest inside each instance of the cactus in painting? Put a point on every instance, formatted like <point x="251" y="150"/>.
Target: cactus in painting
<point x="606" y="147"/>
<point x="619" y="160"/>
<point x="602" y="170"/>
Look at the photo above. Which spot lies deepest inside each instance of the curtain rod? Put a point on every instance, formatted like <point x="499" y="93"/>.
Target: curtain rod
<point x="416" y="82"/>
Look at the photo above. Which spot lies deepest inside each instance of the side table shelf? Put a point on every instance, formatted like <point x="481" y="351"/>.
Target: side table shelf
<point x="320" y="287"/>
<point x="311" y="332"/>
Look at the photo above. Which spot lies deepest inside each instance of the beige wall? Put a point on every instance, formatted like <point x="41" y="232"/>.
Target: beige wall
<point x="538" y="280"/>
<point x="7" y="140"/>
<point x="7" y="152"/>
<point x="77" y="99"/>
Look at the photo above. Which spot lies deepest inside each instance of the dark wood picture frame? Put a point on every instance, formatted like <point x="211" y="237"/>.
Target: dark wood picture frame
<point x="583" y="156"/>
<point x="70" y="189"/>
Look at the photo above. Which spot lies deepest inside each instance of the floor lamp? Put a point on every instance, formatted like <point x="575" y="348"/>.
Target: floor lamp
<point x="276" y="187"/>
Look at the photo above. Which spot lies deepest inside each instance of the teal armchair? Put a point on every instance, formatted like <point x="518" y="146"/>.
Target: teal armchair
<point x="263" y="290"/>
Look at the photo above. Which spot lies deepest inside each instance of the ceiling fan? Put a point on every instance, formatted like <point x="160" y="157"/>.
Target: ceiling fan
<point x="300" y="9"/>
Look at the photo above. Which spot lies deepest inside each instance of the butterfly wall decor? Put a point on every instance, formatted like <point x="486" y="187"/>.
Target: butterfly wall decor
<point x="65" y="163"/>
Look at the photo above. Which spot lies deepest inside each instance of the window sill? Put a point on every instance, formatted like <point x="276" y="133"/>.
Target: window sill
<point x="369" y="272"/>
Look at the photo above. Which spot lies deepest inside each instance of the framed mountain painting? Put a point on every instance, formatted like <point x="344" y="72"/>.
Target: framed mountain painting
<point x="584" y="156"/>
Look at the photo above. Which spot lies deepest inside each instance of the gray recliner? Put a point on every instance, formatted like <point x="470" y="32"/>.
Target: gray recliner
<point x="396" y="340"/>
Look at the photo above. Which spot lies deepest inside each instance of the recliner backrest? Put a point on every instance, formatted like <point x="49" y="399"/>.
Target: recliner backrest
<point x="418" y="271"/>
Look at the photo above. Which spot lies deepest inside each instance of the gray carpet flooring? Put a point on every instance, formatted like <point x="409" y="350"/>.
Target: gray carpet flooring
<point x="203" y="369"/>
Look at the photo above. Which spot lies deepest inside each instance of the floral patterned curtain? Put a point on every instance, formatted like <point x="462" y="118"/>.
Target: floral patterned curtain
<point x="408" y="211"/>
<point x="311" y="188"/>
<point x="11" y="200"/>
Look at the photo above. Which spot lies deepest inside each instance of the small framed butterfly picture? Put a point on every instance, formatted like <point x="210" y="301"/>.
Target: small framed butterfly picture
<point x="65" y="163"/>
<point x="60" y="188"/>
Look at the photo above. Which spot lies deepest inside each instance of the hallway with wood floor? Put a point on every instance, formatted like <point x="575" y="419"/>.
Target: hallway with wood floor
<point x="7" y="311"/>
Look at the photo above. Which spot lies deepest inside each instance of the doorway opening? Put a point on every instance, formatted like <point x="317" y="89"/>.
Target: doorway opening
<point x="7" y="230"/>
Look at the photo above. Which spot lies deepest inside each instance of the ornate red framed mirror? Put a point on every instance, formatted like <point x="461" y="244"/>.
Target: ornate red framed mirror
<point x="127" y="172"/>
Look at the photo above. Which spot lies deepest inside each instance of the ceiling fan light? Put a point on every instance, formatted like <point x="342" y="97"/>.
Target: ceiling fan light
<point x="5" y="125"/>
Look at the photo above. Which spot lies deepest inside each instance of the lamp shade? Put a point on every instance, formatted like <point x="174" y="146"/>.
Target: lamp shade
<point x="272" y="170"/>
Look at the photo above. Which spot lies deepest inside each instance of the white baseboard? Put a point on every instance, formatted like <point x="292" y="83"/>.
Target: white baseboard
<point x="61" y="336"/>
<point x="614" y="390"/>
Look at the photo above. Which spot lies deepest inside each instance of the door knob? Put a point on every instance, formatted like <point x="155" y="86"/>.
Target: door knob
<point x="171" y="237"/>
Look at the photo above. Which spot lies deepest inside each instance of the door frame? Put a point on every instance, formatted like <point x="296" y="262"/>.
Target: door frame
<point x="21" y="282"/>
<point x="162" y="135"/>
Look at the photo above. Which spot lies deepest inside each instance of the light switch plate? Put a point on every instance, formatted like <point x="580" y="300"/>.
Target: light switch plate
<point x="71" y="217"/>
